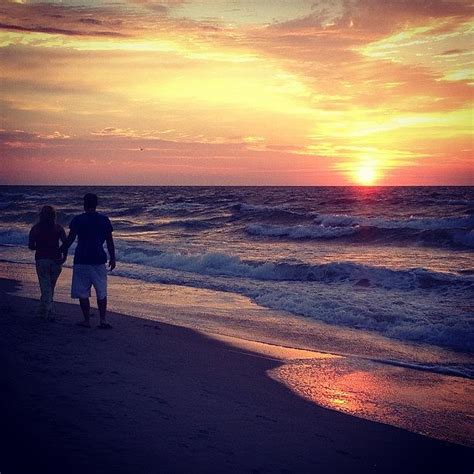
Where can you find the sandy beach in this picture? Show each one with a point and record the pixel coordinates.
(149, 397)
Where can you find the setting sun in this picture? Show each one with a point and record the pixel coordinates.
(366, 174)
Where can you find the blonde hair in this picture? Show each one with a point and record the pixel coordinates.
(47, 215)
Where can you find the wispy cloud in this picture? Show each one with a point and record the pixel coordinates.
(338, 82)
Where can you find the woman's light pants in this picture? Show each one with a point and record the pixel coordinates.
(48, 273)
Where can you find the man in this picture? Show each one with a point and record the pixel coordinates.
(92, 230)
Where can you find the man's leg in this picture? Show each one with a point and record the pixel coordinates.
(80, 288)
(99, 281)
(102, 305)
(86, 309)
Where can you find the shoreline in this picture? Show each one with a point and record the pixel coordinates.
(237, 316)
(316, 366)
(153, 397)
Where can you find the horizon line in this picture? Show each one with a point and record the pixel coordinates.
(245, 185)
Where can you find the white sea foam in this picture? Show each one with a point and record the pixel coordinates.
(416, 223)
(220, 264)
(434, 231)
(397, 304)
(417, 316)
(299, 231)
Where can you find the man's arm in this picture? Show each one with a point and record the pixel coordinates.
(111, 248)
(32, 239)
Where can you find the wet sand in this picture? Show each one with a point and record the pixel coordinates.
(148, 397)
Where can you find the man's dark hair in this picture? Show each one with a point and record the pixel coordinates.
(90, 201)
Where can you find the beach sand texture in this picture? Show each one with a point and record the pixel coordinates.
(149, 397)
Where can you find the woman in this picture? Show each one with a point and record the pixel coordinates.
(44, 238)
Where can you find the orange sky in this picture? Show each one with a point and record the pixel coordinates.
(222, 92)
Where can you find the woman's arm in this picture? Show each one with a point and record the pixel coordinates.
(62, 238)
(62, 235)
(67, 242)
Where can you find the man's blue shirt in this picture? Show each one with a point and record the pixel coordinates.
(92, 229)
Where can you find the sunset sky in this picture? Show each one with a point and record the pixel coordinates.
(222, 92)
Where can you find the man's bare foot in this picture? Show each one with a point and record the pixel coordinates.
(104, 326)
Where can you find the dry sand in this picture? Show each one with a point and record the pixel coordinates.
(148, 397)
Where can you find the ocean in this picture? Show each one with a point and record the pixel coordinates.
(392, 261)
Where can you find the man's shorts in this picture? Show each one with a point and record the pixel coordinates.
(84, 277)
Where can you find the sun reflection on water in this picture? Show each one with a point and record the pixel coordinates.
(424, 402)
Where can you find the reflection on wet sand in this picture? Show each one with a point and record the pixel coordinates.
(436, 405)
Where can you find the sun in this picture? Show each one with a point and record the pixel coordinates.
(366, 174)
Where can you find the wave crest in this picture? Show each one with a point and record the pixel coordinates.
(447, 231)
(220, 264)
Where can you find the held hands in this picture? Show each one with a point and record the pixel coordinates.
(112, 264)
(63, 259)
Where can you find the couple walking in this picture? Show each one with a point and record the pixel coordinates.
(92, 230)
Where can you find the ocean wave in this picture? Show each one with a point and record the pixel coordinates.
(175, 209)
(26, 217)
(415, 223)
(460, 202)
(424, 317)
(12, 196)
(17, 216)
(299, 231)
(267, 211)
(464, 238)
(221, 264)
(412, 305)
(455, 232)
(126, 212)
(191, 224)
(138, 227)
(335, 272)
(13, 237)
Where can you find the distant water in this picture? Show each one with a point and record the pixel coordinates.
(395, 261)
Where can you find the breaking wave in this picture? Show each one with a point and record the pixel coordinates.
(219, 264)
(397, 304)
(455, 231)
